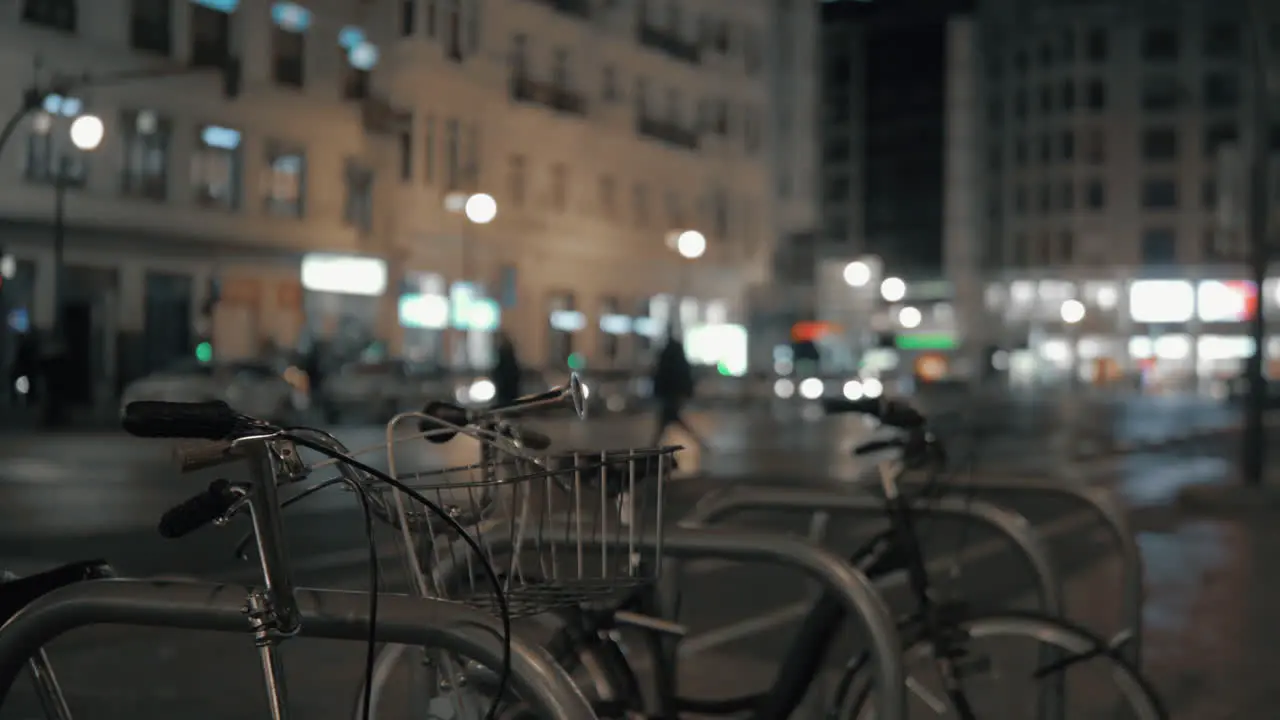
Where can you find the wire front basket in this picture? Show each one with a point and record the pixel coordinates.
(573, 528)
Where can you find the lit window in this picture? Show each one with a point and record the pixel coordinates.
(215, 167)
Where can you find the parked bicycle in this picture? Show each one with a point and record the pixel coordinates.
(40, 607)
(957, 677)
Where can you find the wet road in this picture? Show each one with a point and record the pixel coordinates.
(100, 496)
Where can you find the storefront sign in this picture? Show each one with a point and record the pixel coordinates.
(1226, 301)
(344, 274)
(1161, 301)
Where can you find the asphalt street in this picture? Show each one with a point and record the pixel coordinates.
(99, 495)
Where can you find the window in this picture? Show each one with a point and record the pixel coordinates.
(1046, 149)
(560, 68)
(146, 155)
(516, 174)
(1096, 195)
(1209, 194)
(610, 84)
(751, 134)
(1221, 91)
(1217, 135)
(1020, 152)
(1160, 194)
(1222, 41)
(675, 210)
(453, 31)
(1161, 92)
(1045, 198)
(1020, 62)
(673, 106)
(1095, 149)
(54, 14)
(1066, 246)
(1020, 201)
(1159, 246)
(429, 150)
(210, 36)
(640, 205)
(51, 157)
(430, 13)
(359, 56)
(357, 207)
(1068, 95)
(216, 168)
(559, 187)
(609, 308)
(452, 155)
(1096, 45)
(1096, 95)
(1046, 99)
(1046, 53)
(285, 180)
(1160, 143)
(752, 57)
(408, 17)
(472, 172)
(288, 43)
(1069, 45)
(1067, 196)
(642, 97)
(1160, 44)
(1068, 145)
(519, 55)
(720, 213)
(608, 196)
(1020, 104)
(150, 23)
(404, 149)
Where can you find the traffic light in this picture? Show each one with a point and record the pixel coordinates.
(231, 78)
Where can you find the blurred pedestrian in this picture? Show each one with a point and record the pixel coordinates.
(506, 372)
(673, 389)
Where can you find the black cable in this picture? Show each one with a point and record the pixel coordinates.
(375, 587)
(500, 597)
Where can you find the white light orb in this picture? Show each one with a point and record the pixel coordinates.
(784, 388)
(811, 388)
(1072, 311)
(857, 274)
(481, 208)
(691, 244)
(87, 132)
(893, 289)
(853, 390)
(872, 388)
(482, 391)
(909, 317)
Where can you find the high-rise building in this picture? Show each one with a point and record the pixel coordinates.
(600, 128)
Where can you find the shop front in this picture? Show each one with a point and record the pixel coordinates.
(342, 303)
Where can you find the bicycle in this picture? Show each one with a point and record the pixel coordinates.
(39, 607)
(942, 633)
(561, 581)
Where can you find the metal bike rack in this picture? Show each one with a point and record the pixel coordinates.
(855, 590)
(329, 614)
(1104, 506)
(716, 505)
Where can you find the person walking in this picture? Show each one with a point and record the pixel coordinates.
(506, 372)
(673, 389)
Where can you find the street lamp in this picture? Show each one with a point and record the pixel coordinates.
(893, 289)
(1072, 311)
(86, 133)
(857, 274)
(691, 244)
(476, 209)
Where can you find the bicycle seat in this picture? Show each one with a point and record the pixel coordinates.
(17, 594)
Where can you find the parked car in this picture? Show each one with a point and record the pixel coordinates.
(257, 389)
(378, 390)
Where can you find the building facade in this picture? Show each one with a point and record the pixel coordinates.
(358, 130)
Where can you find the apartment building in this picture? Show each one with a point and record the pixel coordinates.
(601, 128)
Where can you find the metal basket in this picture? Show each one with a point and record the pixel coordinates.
(569, 522)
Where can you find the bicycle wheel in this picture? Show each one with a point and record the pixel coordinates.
(401, 688)
(999, 650)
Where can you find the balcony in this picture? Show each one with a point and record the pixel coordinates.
(668, 43)
(549, 95)
(667, 132)
(576, 8)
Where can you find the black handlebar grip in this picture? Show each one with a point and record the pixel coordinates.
(444, 412)
(212, 420)
(197, 512)
(201, 454)
(532, 439)
(875, 446)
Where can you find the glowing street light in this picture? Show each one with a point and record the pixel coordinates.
(691, 244)
(910, 317)
(480, 208)
(87, 132)
(1072, 311)
(857, 274)
(893, 289)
